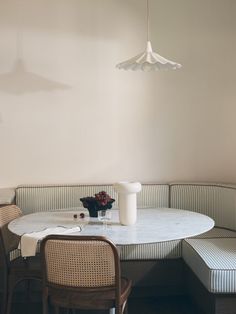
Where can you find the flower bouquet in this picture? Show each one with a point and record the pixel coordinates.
(101, 201)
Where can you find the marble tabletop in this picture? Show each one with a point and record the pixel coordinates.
(153, 225)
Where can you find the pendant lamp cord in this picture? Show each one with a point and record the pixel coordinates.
(147, 20)
(19, 45)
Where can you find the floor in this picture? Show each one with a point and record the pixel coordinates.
(163, 305)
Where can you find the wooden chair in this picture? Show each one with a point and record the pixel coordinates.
(17, 269)
(82, 272)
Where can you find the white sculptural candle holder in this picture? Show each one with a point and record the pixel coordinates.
(127, 199)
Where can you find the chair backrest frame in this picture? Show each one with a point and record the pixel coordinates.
(16, 212)
(117, 284)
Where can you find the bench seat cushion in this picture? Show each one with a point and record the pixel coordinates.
(213, 260)
(217, 233)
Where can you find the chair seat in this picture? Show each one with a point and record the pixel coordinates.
(99, 298)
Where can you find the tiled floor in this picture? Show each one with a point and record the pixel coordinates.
(164, 305)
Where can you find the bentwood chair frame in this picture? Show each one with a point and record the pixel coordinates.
(70, 264)
(18, 269)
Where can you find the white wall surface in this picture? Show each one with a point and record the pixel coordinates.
(67, 115)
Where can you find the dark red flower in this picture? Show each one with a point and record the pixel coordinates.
(101, 201)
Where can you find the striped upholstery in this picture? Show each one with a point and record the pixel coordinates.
(153, 195)
(55, 197)
(148, 251)
(15, 254)
(213, 259)
(217, 233)
(151, 251)
(216, 201)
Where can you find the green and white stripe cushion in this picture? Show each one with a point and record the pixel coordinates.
(216, 201)
(151, 251)
(217, 233)
(36, 198)
(14, 254)
(213, 260)
(153, 195)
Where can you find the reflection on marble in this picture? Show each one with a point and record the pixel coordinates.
(153, 225)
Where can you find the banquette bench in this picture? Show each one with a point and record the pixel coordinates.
(203, 266)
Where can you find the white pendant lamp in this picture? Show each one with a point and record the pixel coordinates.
(148, 60)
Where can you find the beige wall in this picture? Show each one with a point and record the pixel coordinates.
(70, 116)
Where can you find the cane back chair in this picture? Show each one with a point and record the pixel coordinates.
(17, 269)
(82, 272)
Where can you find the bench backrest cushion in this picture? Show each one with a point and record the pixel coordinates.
(36, 198)
(216, 201)
(7, 196)
(153, 196)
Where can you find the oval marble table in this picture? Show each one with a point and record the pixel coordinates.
(153, 225)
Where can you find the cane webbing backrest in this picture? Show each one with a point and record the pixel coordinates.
(79, 263)
(8, 213)
(8, 239)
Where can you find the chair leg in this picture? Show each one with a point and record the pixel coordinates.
(57, 309)
(9, 301)
(28, 299)
(4, 296)
(4, 302)
(124, 309)
(45, 301)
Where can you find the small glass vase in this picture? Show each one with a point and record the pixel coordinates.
(93, 205)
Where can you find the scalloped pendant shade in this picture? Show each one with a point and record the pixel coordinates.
(148, 60)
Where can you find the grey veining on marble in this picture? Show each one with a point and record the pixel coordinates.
(153, 225)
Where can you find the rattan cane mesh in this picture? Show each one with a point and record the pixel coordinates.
(8, 213)
(80, 263)
(10, 241)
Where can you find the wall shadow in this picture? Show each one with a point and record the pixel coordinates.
(21, 81)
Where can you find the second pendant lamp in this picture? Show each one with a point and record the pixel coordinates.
(148, 60)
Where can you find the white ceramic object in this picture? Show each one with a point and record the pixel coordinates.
(148, 60)
(127, 199)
